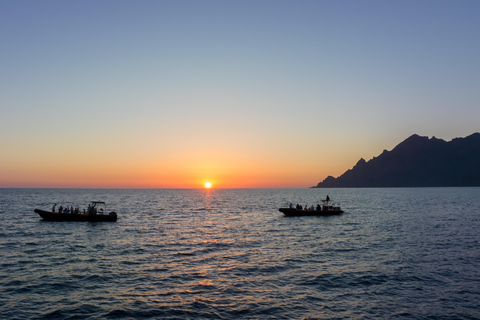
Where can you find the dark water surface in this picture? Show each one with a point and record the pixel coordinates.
(229, 254)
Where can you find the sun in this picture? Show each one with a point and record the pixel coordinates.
(208, 185)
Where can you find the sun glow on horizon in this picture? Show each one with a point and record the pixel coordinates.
(208, 185)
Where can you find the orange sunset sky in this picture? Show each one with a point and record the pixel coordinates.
(244, 94)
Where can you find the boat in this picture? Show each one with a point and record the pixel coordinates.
(326, 209)
(97, 211)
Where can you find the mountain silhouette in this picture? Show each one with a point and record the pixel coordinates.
(417, 162)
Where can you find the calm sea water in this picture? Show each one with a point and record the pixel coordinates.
(230, 254)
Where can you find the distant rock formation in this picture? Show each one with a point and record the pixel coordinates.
(417, 162)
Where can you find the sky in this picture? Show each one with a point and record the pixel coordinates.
(244, 94)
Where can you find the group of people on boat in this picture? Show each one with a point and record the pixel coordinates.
(318, 207)
(306, 207)
(72, 210)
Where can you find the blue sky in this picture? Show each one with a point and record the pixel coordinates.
(246, 86)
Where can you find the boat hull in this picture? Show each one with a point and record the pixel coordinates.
(292, 212)
(55, 216)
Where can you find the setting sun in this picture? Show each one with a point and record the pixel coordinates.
(208, 185)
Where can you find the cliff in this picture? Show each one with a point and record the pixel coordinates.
(417, 162)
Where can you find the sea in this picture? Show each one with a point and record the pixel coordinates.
(396, 253)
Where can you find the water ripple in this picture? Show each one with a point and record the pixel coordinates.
(229, 254)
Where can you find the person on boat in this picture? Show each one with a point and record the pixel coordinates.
(53, 208)
(328, 198)
(60, 209)
(318, 207)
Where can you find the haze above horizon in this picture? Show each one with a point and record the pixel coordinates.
(250, 94)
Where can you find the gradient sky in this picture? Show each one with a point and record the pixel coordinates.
(170, 94)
